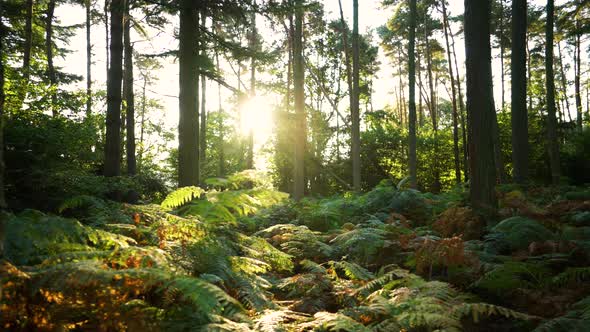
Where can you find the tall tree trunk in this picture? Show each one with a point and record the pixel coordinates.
(3, 204)
(142, 125)
(502, 52)
(529, 74)
(112, 159)
(203, 134)
(49, 53)
(433, 109)
(578, 66)
(420, 106)
(563, 79)
(88, 4)
(299, 79)
(453, 97)
(412, 95)
(253, 32)
(27, 49)
(461, 109)
(519, 119)
(553, 144)
(129, 94)
(106, 33)
(480, 106)
(221, 172)
(355, 112)
(188, 124)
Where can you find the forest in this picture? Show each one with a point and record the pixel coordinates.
(295, 165)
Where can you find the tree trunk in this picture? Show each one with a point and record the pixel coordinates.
(503, 80)
(3, 204)
(253, 32)
(563, 79)
(480, 107)
(553, 144)
(188, 125)
(221, 172)
(461, 109)
(299, 79)
(203, 109)
(88, 4)
(112, 159)
(529, 74)
(412, 95)
(49, 53)
(453, 98)
(519, 119)
(129, 95)
(354, 112)
(578, 66)
(433, 110)
(142, 125)
(27, 49)
(106, 34)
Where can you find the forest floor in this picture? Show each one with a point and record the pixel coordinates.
(245, 258)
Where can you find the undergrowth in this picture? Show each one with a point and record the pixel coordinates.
(240, 256)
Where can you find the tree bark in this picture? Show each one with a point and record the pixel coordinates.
(355, 112)
(3, 204)
(27, 49)
(129, 94)
(221, 171)
(49, 53)
(578, 65)
(412, 95)
(519, 119)
(106, 33)
(253, 32)
(563, 78)
(203, 109)
(503, 80)
(112, 159)
(188, 125)
(552, 143)
(461, 109)
(88, 4)
(480, 107)
(300, 126)
(453, 98)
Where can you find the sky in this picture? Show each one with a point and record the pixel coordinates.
(371, 16)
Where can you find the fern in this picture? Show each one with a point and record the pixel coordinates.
(181, 196)
(327, 321)
(276, 320)
(352, 271)
(80, 201)
(577, 275)
(478, 310)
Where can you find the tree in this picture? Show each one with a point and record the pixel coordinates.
(354, 111)
(412, 93)
(49, 14)
(552, 143)
(298, 86)
(2, 99)
(88, 7)
(480, 106)
(446, 29)
(129, 94)
(188, 125)
(519, 120)
(112, 159)
(203, 114)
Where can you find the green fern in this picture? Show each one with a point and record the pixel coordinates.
(352, 271)
(577, 275)
(181, 196)
(327, 321)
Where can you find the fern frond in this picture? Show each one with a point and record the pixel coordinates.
(79, 201)
(181, 196)
(478, 310)
(274, 320)
(327, 321)
(312, 267)
(572, 275)
(352, 271)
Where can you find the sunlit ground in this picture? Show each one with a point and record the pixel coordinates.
(256, 117)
